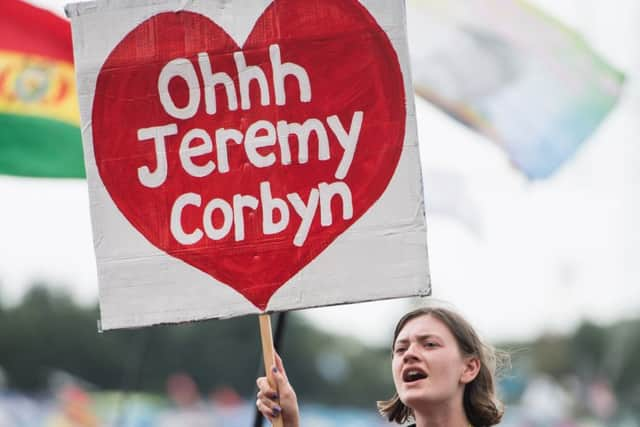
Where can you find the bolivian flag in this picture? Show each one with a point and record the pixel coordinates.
(39, 118)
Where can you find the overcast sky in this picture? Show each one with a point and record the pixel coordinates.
(528, 258)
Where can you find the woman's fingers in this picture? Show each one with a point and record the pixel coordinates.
(265, 388)
(278, 361)
(268, 407)
(267, 399)
(285, 390)
(280, 365)
(268, 414)
(268, 394)
(276, 396)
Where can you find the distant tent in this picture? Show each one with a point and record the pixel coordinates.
(513, 74)
(39, 118)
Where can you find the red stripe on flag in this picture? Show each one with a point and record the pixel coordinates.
(31, 30)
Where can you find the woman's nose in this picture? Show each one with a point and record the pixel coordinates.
(410, 353)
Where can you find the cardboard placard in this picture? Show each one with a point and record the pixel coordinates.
(248, 156)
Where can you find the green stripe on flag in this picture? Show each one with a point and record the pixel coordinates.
(36, 147)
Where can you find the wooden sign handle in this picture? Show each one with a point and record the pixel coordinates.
(266, 338)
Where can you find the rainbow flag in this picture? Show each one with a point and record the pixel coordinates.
(39, 117)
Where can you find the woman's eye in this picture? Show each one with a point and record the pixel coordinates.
(431, 344)
(399, 350)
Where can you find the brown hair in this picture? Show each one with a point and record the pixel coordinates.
(481, 404)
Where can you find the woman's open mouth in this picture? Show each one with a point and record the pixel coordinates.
(412, 375)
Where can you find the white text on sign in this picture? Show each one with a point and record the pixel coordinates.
(265, 144)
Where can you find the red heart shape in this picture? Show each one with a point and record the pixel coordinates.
(351, 66)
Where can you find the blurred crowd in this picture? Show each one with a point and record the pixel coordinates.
(540, 401)
(72, 405)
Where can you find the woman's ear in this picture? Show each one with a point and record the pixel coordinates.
(471, 370)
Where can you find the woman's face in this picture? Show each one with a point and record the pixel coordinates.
(427, 364)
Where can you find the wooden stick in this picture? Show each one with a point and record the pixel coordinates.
(266, 337)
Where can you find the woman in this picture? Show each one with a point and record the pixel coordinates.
(443, 373)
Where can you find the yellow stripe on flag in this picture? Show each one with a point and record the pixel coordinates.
(32, 85)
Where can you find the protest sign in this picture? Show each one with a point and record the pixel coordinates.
(248, 156)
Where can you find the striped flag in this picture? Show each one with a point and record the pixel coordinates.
(39, 118)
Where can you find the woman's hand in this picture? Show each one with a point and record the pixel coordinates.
(279, 399)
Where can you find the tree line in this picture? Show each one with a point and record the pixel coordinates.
(47, 332)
